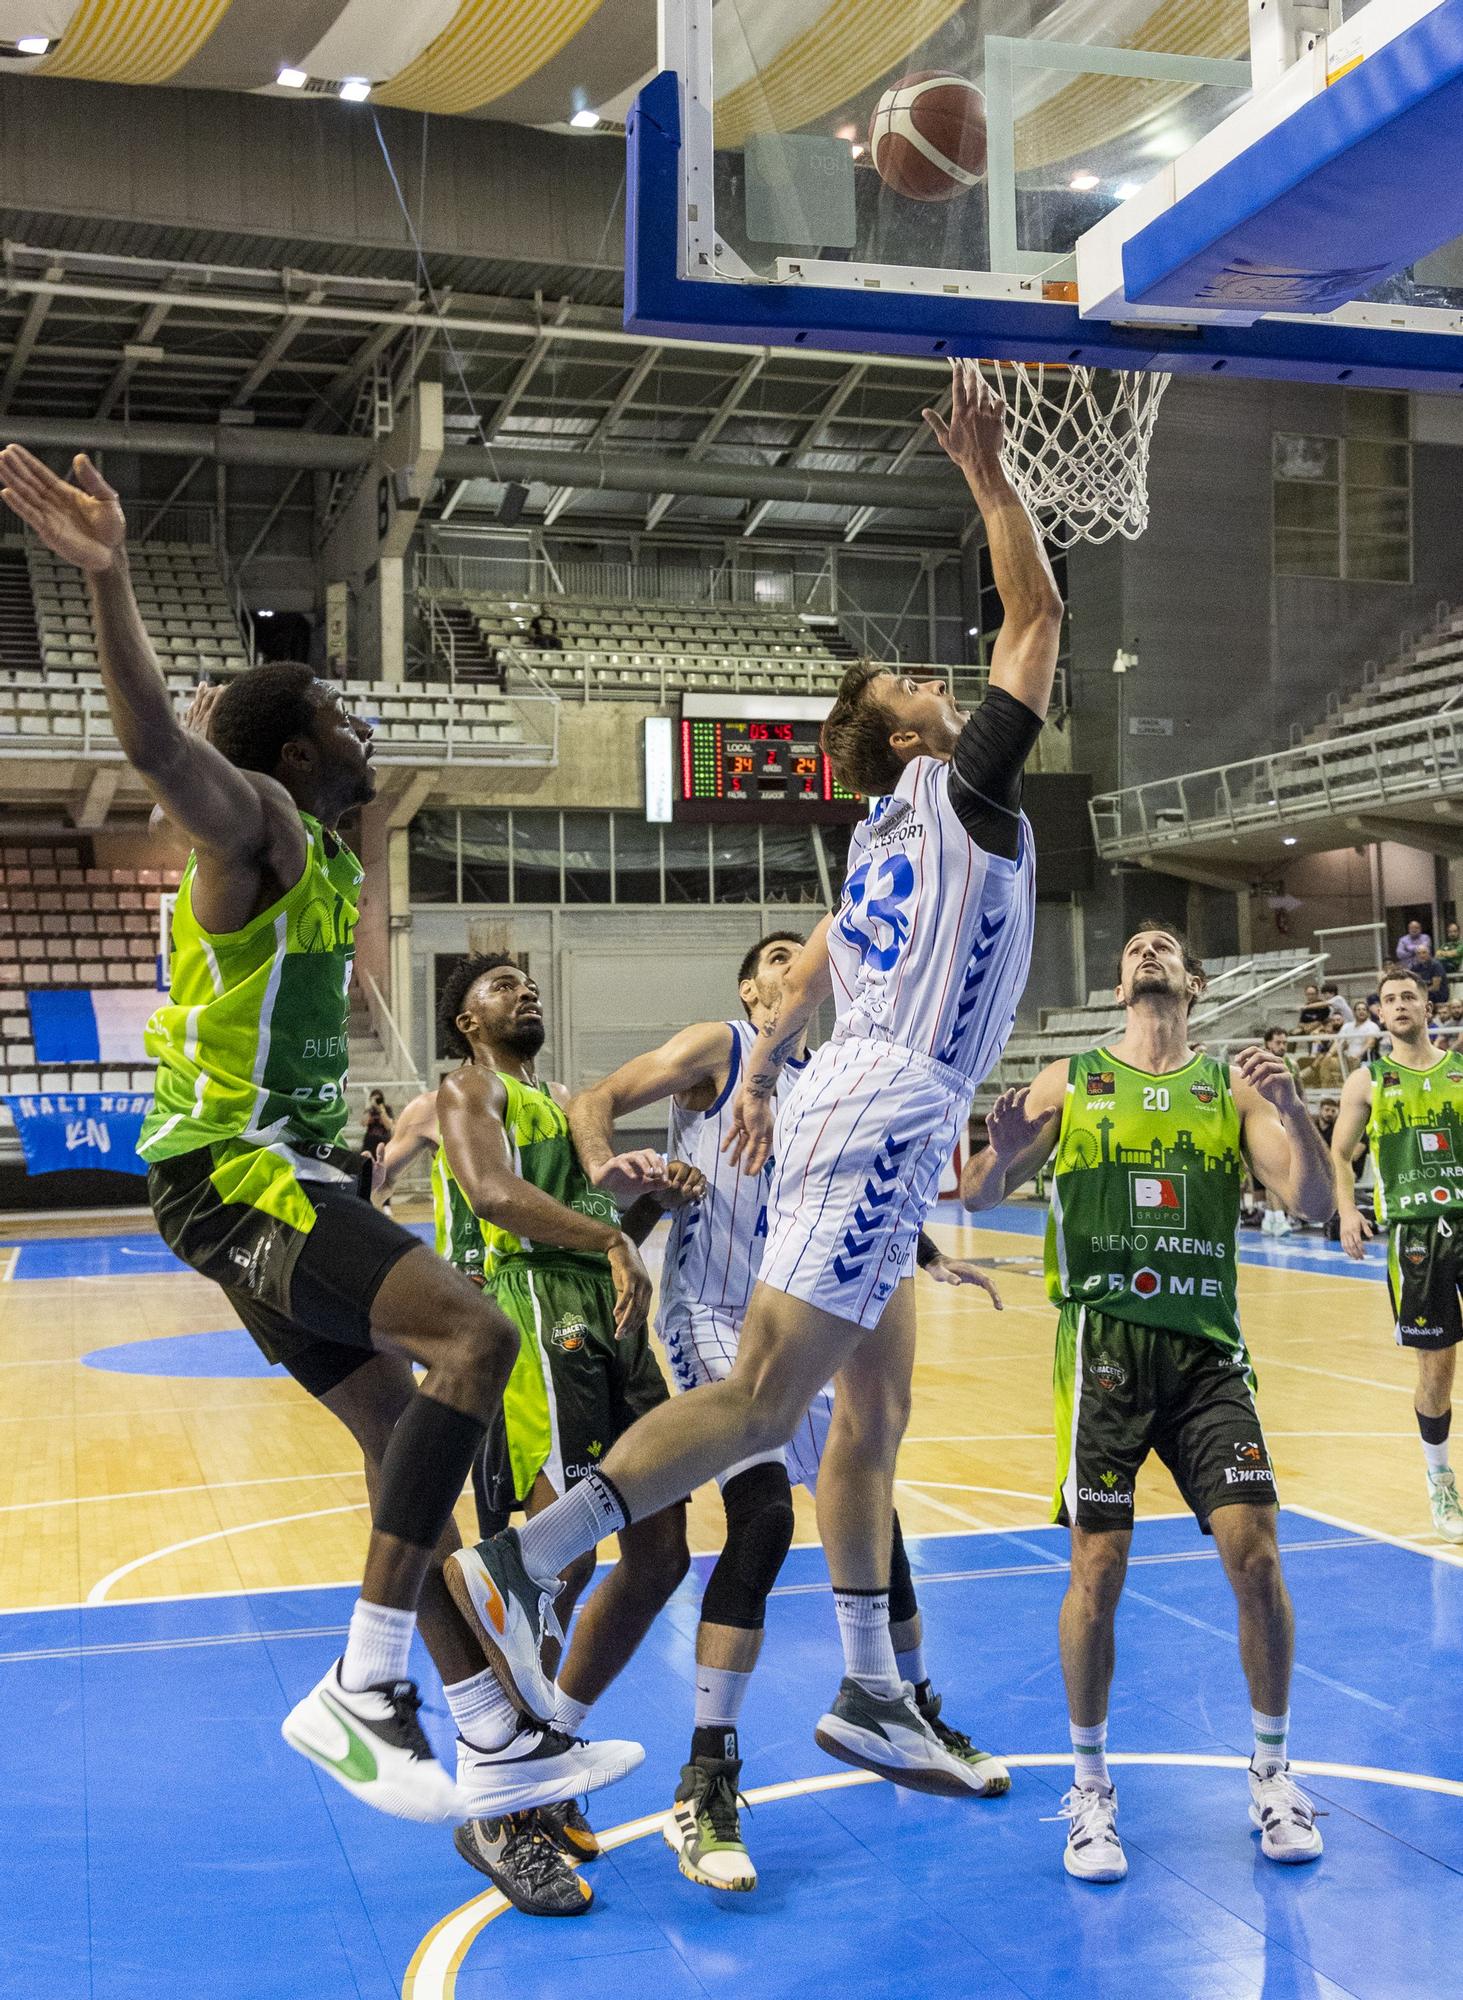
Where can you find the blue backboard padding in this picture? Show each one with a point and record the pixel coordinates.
(63, 1026)
(660, 302)
(1354, 186)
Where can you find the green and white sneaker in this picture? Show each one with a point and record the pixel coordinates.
(704, 1827)
(994, 1780)
(518, 1857)
(887, 1734)
(1442, 1493)
(510, 1614)
(372, 1743)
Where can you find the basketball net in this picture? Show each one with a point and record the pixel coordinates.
(1077, 445)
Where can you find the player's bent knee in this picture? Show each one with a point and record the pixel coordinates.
(759, 1527)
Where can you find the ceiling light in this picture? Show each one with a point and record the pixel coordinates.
(34, 45)
(1082, 183)
(1288, 840)
(263, 614)
(354, 90)
(584, 120)
(292, 79)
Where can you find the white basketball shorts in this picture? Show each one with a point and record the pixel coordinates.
(860, 1146)
(701, 1345)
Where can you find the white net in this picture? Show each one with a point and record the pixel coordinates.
(1077, 445)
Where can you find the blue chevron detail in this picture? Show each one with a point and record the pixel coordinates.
(846, 1273)
(970, 989)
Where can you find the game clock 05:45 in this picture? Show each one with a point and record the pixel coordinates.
(768, 771)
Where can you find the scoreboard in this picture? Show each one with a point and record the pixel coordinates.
(767, 769)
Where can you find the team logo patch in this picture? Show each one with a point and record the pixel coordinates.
(570, 1335)
(1146, 1282)
(1101, 1083)
(1391, 1080)
(1202, 1092)
(1416, 1255)
(1433, 1144)
(1248, 1454)
(1157, 1200)
(1108, 1374)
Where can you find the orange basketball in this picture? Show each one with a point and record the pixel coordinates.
(927, 136)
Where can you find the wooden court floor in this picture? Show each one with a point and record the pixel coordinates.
(130, 1481)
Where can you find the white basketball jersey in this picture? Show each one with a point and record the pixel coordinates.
(715, 1245)
(931, 944)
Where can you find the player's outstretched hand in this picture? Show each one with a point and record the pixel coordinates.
(748, 1144)
(632, 1287)
(627, 1176)
(84, 524)
(959, 1271)
(1356, 1232)
(684, 1185)
(1268, 1077)
(975, 430)
(1009, 1127)
(200, 708)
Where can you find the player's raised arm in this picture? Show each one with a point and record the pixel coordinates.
(805, 985)
(1021, 1130)
(691, 1059)
(1286, 1152)
(217, 807)
(415, 1133)
(1351, 1120)
(1024, 662)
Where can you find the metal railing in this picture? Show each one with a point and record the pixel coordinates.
(1366, 944)
(1312, 781)
(388, 1033)
(534, 575)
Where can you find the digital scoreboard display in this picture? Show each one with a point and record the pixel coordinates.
(768, 771)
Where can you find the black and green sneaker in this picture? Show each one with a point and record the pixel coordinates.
(704, 1826)
(569, 1830)
(518, 1857)
(994, 1780)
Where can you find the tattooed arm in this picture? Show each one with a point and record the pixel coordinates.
(805, 985)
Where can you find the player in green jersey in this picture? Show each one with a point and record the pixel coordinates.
(1147, 1141)
(552, 1250)
(1410, 1105)
(251, 1187)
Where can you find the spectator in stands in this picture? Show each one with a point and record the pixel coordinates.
(1277, 1043)
(1358, 1040)
(1411, 942)
(1432, 975)
(543, 632)
(1325, 1122)
(1320, 1066)
(1314, 1010)
(1450, 952)
(1326, 1115)
(379, 1127)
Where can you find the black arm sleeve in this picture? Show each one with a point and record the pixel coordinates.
(985, 771)
(926, 1250)
(640, 1218)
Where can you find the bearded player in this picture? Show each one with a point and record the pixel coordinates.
(1148, 1142)
(707, 1275)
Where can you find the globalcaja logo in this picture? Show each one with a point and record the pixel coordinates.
(1433, 1145)
(1157, 1201)
(1203, 1092)
(1109, 1480)
(1101, 1083)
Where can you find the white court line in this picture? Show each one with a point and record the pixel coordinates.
(969, 1520)
(432, 1974)
(8, 1261)
(953, 1486)
(1417, 1548)
(167, 1492)
(996, 1437)
(98, 1592)
(1331, 1375)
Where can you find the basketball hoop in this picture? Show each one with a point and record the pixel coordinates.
(1077, 445)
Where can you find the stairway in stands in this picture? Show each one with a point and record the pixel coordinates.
(20, 644)
(471, 658)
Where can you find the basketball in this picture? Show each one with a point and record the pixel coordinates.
(927, 136)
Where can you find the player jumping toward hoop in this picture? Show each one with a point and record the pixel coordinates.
(1148, 1140)
(929, 952)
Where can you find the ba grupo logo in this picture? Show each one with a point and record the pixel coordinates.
(1433, 1145)
(1157, 1200)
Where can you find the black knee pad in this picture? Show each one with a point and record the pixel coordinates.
(903, 1604)
(758, 1505)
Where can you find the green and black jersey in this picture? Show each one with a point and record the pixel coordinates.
(251, 1041)
(1415, 1131)
(1145, 1203)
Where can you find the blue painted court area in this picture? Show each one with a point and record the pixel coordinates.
(161, 1838)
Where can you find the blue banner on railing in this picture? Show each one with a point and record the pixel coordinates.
(65, 1130)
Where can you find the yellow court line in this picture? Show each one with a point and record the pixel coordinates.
(432, 1973)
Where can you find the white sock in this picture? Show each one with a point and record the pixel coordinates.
(378, 1648)
(868, 1651)
(720, 1692)
(911, 1665)
(1270, 1734)
(1089, 1753)
(570, 1527)
(484, 1715)
(568, 1713)
(1436, 1456)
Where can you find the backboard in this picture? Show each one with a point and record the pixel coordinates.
(1121, 136)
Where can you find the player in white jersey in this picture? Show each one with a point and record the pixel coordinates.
(932, 943)
(706, 1280)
